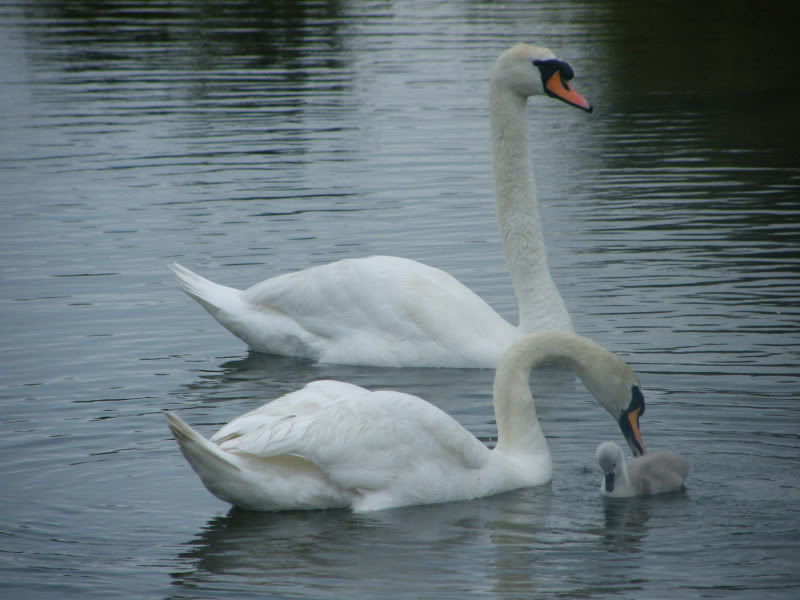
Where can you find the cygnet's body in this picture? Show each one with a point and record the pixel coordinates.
(645, 475)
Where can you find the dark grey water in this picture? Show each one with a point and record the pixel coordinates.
(246, 139)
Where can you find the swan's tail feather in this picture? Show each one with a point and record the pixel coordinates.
(212, 296)
(206, 458)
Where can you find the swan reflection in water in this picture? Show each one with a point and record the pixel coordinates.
(518, 543)
(487, 543)
(624, 525)
(271, 375)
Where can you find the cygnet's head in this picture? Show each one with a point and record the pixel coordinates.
(611, 460)
(529, 70)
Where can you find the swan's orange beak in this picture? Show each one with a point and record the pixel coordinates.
(557, 87)
(633, 434)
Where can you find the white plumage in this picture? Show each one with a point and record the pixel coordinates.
(388, 311)
(334, 444)
(380, 311)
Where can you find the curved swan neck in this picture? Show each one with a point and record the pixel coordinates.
(518, 426)
(518, 212)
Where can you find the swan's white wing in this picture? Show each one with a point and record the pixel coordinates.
(385, 310)
(362, 440)
(309, 400)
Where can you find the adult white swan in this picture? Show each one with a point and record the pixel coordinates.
(334, 444)
(388, 311)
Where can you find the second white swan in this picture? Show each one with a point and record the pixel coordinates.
(395, 312)
(334, 444)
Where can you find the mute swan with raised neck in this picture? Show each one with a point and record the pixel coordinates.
(337, 445)
(656, 473)
(395, 312)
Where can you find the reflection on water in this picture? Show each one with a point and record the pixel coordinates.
(308, 553)
(625, 524)
(253, 138)
(501, 546)
(708, 61)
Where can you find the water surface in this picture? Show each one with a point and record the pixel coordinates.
(247, 139)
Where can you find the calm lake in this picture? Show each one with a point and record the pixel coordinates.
(245, 139)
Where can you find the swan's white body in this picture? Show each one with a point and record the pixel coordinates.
(647, 475)
(387, 311)
(333, 444)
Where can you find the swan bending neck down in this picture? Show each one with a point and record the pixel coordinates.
(395, 312)
(656, 473)
(333, 444)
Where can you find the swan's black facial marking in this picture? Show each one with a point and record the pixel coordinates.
(629, 421)
(548, 67)
(555, 75)
(637, 400)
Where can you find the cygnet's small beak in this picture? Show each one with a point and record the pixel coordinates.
(557, 87)
(609, 482)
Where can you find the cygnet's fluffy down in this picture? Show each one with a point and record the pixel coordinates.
(656, 473)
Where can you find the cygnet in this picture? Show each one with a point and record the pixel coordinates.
(645, 475)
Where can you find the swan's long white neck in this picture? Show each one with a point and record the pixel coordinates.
(518, 428)
(540, 304)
